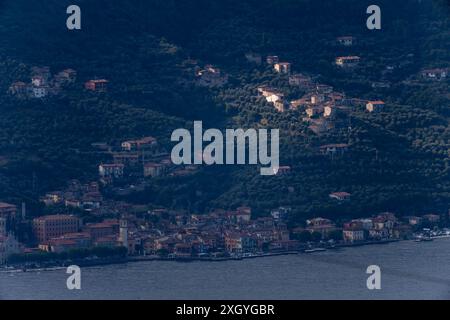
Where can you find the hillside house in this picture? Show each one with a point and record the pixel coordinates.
(334, 149)
(346, 41)
(272, 60)
(340, 196)
(283, 67)
(18, 88)
(153, 169)
(211, 77)
(100, 85)
(348, 61)
(111, 170)
(66, 76)
(434, 74)
(300, 80)
(139, 144)
(314, 111)
(375, 106)
(253, 58)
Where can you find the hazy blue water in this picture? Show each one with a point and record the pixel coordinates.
(409, 271)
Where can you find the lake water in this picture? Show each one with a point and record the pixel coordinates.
(409, 270)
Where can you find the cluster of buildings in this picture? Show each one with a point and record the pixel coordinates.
(385, 226)
(210, 76)
(135, 159)
(346, 41)
(321, 104)
(86, 197)
(8, 243)
(179, 234)
(62, 233)
(96, 85)
(320, 100)
(42, 83)
(138, 155)
(347, 61)
(437, 74)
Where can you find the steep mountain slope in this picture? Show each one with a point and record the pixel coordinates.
(399, 159)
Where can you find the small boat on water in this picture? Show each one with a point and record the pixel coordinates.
(424, 239)
(314, 250)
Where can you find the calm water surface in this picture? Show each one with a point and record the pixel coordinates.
(409, 271)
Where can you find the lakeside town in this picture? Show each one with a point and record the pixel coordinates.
(129, 231)
(168, 234)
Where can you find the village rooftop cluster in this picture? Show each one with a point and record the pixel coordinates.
(44, 84)
(146, 231)
(172, 234)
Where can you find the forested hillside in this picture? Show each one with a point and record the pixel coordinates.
(398, 159)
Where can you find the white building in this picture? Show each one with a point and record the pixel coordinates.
(346, 41)
(2, 226)
(282, 213)
(38, 81)
(348, 61)
(111, 170)
(329, 111)
(353, 235)
(375, 106)
(39, 92)
(8, 246)
(435, 74)
(282, 67)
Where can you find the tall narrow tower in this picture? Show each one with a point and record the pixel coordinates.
(3, 227)
(123, 236)
(24, 211)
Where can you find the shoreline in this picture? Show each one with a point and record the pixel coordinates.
(135, 259)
